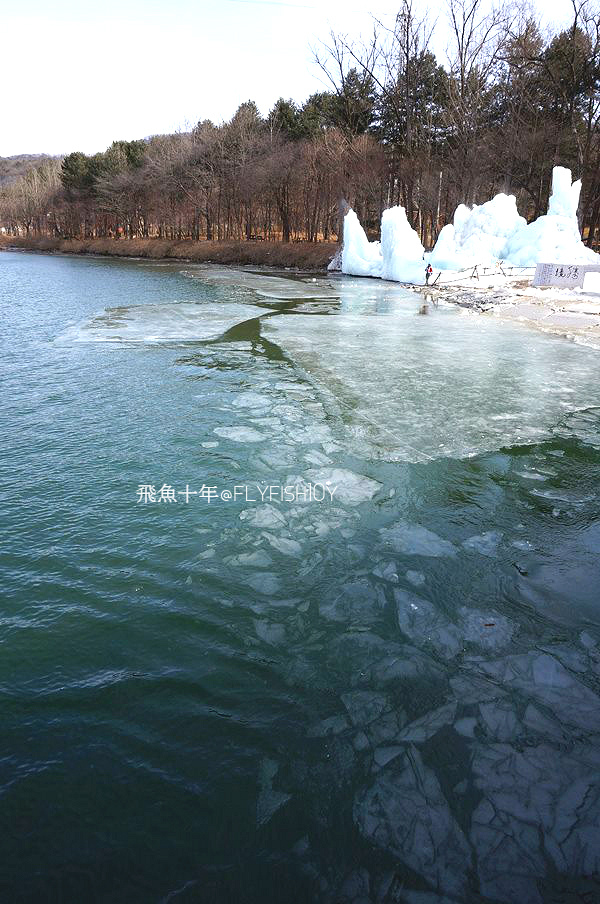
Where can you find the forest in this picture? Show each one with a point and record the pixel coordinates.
(395, 125)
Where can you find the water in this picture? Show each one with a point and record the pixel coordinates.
(388, 696)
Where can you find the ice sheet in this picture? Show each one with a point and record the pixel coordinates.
(415, 388)
(278, 288)
(149, 323)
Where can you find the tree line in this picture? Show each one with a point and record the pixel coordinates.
(395, 126)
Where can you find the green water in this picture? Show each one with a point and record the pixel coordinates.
(387, 696)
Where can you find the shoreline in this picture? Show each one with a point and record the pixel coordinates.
(570, 313)
(282, 255)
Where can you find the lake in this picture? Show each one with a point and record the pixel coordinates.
(300, 588)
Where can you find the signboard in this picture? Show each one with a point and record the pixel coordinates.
(569, 276)
(566, 275)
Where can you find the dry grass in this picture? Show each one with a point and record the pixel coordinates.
(301, 255)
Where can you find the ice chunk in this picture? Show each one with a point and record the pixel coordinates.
(240, 434)
(251, 400)
(347, 487)
(407, 663)
(359, 602)
(285, 545)
(364, 706)
(386, 571)
(269, 800)
(499, 720)
(360, 742)
(360, 257)
(271, 632)
(428, 725)
(540, 723)
(422, 622)
(489, 630)
(574, 660)
(386, 728)
(257, 559)
(414, 540)
(264, 582)
(416, 578)
(330, 726)
(466, 727)
(384, 755)
(404, 812)
(587, 640)
(471, 689)
(263, 516)
(485, 544)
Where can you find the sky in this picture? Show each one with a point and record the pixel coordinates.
(80, 74)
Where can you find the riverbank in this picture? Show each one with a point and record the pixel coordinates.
(573, 313)
(297, 255)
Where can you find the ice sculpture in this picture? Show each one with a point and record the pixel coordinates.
(401, 248)
(360, 257)
(554, 237)
(478, 234)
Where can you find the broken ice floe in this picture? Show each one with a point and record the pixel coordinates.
(428, 725)
(489, 630)
(543, 677)
(405, 812)
(359, 602)
(364, 707)
(538, 803)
